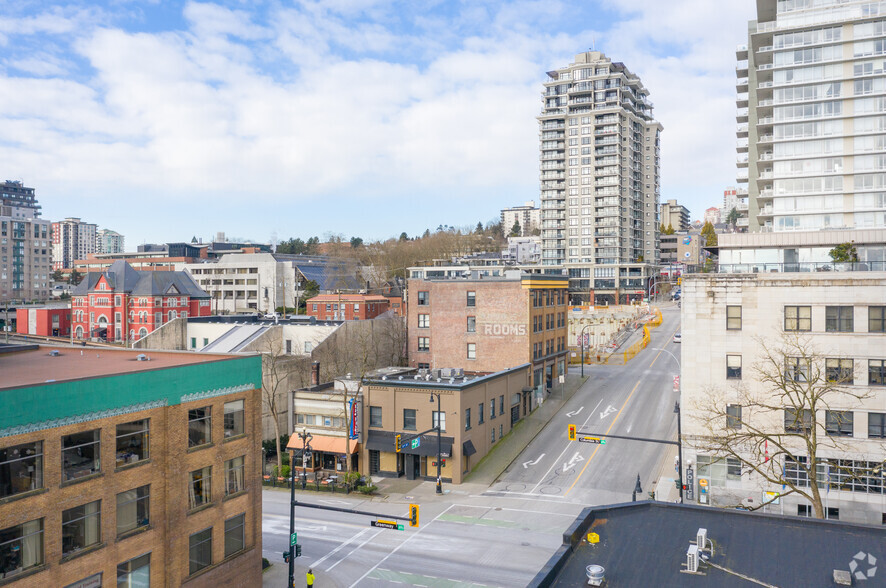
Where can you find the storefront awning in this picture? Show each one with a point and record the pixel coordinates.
(326, 444)
(384, 441)
(467, 448)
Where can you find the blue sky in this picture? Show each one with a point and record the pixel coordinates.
(167, 120)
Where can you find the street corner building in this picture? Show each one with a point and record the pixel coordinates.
(483, 323)
(474, 412)
(119, 468)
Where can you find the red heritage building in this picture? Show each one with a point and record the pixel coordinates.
(46, 321)
(123, 304)
(347, 307)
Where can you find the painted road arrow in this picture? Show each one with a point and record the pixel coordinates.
(526, 464)
(609, 410)
(575, 412)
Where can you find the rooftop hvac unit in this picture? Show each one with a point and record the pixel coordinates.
(596, 575)
(692, 559)
(141, 357)
(54, 353)
(701, 539)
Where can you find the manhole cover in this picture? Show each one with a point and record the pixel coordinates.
(525, 544)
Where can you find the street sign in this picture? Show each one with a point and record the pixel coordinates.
(676, 383)
(690, 486)
(592, 440)
(293, 539)
(771, 497)
(416, 442)
(386, 525)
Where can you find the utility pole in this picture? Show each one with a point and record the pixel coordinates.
(439, 444)
(679, 451)
(305, 438)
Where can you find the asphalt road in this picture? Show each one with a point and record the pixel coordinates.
(633, 400)
(503, 534)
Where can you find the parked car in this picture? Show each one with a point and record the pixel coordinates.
(677, 338)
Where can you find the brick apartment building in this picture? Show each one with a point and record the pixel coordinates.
(128, 472)
(487, 324)
(124, 304)
(477, 411)
(347, 307)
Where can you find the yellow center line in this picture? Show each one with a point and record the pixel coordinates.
(596, 449)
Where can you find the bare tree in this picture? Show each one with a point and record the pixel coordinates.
(279, 374)
(787, 425)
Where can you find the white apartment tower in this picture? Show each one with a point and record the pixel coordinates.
(599, 180)
(108, 241)
(72, 239)
(812, 115)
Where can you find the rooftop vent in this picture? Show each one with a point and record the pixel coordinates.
(142, 357)
(596, 575)
(384, 377)
(54, 353)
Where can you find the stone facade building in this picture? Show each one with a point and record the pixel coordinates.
(128, 471)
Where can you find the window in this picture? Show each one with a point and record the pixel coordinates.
(472, 324)
(797, 420)
(424, 321)
(289, 346)
(876, 372)
(81, 454)
(733, 318)
(374, 416)
(233, 419)
(408, 419)
(199, 426)
(493, 434)
(424, 299)
(877, 319)
(797, 318)
(235, 475)
(193, 342)
(133, 509)
(439, 419)
(472, 298)
(467, 419)
(501, 404)
(718, 470)
(472, 351)
(132, 442)
(733, 416)
(135, 573)
(423, 366)
(21, 548)
(21, 469)
(838, 319)
(839, 370)
(235, 537)
(839, 423)
(200, 487)
(81, 527)
(200, 550)
(733, 367)
(492, 408)
(308, 346)
(480, 419)
(424, 343)
(796, 369)
(877, 425)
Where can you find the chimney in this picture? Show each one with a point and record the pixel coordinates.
(315, 373)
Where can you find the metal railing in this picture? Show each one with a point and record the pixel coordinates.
(799, 267)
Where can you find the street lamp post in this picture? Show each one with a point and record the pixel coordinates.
(305, 438)
(679, 428)
(582, 337)
(638, 489)
(439, 444)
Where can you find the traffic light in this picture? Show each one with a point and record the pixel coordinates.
(413, 515)
(286, 556)
(297, 550)
(571, 432)
(397, 443)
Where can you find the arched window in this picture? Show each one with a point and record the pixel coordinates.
(79, 333)
(172, 315)
(142, 332)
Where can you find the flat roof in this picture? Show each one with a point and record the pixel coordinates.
(432, 381)
(36, 366)
(645, 543)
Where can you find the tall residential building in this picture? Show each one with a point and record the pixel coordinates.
(25, 251)
(675, 215)
(599, 150)
(72, 239)
(108, 241)
(735, 199)
(528, 216)
(812, 130)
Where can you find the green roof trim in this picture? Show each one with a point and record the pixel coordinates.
(55, 404)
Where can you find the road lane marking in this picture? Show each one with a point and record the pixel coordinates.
(339, 548)
(596, 449)
(492, 509)
(526, 464)
(565, 449)
(353, 550)
(575, 412)
(609, 410)
(396, 549)
(671, 338)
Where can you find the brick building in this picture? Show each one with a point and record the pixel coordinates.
(486, 324)
(45, 321)
(129, 473)
(477, 411)
(123, 304)
(347, 307)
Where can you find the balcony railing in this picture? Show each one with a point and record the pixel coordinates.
(766, 268)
